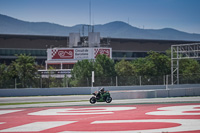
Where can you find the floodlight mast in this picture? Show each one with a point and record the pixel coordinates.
(89, 26)
(90, 13)
(182, 51)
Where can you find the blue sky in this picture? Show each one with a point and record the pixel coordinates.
(183, 15)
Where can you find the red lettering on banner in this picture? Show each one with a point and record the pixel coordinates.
(101, 51)
(63, 54)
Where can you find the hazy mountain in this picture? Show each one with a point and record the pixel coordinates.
(117, 29)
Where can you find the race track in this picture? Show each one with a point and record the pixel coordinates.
(108, 118)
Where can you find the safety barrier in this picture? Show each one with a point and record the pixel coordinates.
(148, 91)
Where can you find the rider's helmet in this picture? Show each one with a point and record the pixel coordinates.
(102, 89)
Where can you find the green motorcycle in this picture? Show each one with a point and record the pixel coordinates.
(101, 96)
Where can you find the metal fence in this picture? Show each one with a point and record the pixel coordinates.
(52, 81)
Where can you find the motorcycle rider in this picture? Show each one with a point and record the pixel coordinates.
(101, 96)
(100, 92)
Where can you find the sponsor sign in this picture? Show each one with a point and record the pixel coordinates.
(82, 53)
(62, 54)
(77, 53)
(55, 72)
(99, 51)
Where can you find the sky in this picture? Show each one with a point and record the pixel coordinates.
(183, 15)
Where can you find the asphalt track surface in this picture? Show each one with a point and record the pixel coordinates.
(44, 98)
(155, 115)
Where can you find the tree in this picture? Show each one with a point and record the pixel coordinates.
(189, 66)
(104, 66)
(2, 73)
(152, 68)
(189, 70)
(124, 68)
(125, 73)
(160, 63)
(82, 69)
(25, 69)
(81, 73)
(143, 66)
(5, 80)
(155, 64)
(104, 69)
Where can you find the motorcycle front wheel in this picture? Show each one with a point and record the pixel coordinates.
(108, 99)
(93, 100)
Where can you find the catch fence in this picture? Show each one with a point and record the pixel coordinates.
(52, 81)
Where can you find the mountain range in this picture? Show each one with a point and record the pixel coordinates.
(116, 29)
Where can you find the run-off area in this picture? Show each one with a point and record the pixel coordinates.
(144, 118)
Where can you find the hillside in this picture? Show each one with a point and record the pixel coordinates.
(116, 29)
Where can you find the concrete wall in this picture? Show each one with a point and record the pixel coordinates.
(135, 94)
(178, 92)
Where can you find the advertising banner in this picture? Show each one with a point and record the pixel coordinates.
(62, 54)
(77, 53)
(83, 53)
(105, 51)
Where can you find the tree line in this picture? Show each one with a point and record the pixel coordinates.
(23, 69)
(156, 64)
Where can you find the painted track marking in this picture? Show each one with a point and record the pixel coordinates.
(115, 119)
(2, 112)
(37, 126)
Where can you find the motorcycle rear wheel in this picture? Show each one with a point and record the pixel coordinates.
(93, 100)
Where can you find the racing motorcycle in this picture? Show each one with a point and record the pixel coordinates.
(101, 96)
